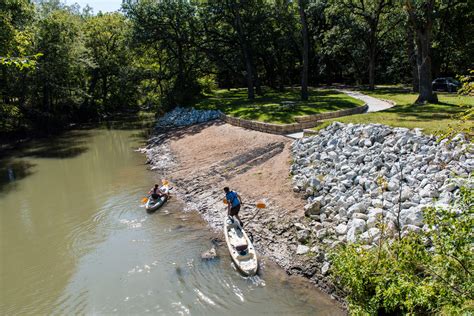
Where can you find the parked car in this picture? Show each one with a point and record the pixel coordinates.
(446, 84)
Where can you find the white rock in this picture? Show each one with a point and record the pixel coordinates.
(356, 227)
(360, 207)
(325, 268)
(341, 229)
(303, 235)
(393, 185)
(372, 235)
(302, 249)
(407, 194)
(411, 216)
(360, 216)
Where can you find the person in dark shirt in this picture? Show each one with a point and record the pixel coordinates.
(233, 204)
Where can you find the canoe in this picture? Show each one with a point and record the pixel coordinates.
(240, 247)
(152, 205)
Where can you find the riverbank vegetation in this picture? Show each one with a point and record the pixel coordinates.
(424, 272)
(61, 64)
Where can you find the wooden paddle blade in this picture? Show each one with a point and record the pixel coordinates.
(144, 200)
(261, 204)
(165, 182)
(225, 201)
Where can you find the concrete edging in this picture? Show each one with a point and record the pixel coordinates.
(302, 122)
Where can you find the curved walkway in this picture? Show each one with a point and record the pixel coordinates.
(374, 105)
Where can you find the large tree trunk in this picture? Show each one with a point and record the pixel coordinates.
(91, 92)
(304, 32)
(423, 30)
(246, 53)
(249, 72)
(372, 68)
(423, 42)
(372, 48)
(105, 91)
(412, 56)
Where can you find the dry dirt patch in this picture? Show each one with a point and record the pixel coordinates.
(253, 163)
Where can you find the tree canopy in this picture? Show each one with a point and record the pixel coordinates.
(59, 64)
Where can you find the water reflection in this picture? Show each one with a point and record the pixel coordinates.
(68, 145)
(13, 171)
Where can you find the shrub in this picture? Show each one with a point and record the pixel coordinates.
(419, 273)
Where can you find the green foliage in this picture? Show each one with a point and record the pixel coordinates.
(467, 84)
(169, 28)
(426, 272)
(22, 63)
(208, 84)
(59, 64)
(276, 107)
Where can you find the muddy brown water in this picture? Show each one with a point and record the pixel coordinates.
(74, 240)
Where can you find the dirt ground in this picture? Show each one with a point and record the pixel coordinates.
(254, 164)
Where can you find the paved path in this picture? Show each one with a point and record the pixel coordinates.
(295, 135)
(374, 104)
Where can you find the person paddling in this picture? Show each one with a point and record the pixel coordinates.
(233, 204)
(155, 192)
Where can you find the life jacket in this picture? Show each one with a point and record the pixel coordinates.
(232, 198)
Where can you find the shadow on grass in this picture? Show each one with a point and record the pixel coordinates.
(446, 109)
(275, 106)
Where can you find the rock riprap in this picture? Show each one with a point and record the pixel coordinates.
(355, 176)
(181, 116)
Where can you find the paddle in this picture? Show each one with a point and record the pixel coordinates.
(260, 205)
(165, 183)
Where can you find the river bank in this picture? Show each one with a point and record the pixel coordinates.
(201, 159)
(342, 183)
(98, 252)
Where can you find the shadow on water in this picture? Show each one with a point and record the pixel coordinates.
(130, 122)
(13, 168)
(11, 172)
(69, 145)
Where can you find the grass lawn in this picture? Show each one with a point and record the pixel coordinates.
(432, 118)
(276, 107)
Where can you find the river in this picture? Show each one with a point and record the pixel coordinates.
(74, 240)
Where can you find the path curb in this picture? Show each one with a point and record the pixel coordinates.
(302, 122)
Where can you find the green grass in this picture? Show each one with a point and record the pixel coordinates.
(271, 107)
(432, 118)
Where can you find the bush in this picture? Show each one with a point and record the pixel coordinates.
(421, 273)
(208, 84)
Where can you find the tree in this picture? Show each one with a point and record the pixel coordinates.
(375, 23)
(170, 26)
(421, 15)
(61, 68)
(106, 40)
(305, 50)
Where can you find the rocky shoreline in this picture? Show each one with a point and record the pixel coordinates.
(350, 176)
(355, 176)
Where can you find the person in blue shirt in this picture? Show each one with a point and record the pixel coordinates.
(233, 204)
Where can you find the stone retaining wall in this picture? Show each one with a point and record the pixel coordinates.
(302, 122)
